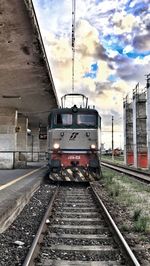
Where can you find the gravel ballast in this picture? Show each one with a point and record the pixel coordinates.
(25, 226)
(17, 239)
(123, 197)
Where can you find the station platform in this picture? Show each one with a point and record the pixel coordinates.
(16, 188)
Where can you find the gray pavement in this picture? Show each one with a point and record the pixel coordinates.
(14, 196)
(9, 175)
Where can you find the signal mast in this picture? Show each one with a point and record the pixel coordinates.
(73, 40)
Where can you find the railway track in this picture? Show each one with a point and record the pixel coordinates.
(78, 230)
(139, 175)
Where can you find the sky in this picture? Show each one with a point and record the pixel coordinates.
(112, 52)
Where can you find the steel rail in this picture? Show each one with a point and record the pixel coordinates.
(132, 168)
(38, 238)
(118, 236)
(144, 177)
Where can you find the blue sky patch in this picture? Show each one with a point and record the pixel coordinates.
(137, 8)
(110, 42)
(97, 2)
(93, 72)
(135, 54)
(112, 78)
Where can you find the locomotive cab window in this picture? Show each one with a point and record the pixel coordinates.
(63, 119)
(86, 119)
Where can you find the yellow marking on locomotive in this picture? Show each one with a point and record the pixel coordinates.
(75, 174)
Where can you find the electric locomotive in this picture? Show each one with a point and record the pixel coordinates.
(74, 142)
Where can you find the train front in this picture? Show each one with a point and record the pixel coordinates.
(74, 144)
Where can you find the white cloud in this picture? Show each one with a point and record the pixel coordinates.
(104, 71)
(142, 42)
(112, 53)
(127, 49)
(87, 47)
(93, 23)
(143, 61)
(123, 23)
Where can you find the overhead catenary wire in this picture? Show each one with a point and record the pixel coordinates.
(73, 40)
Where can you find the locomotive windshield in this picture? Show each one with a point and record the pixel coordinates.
(86, 119)
(72, 118)
(63, 119)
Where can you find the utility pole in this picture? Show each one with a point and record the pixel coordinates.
(32, 147)
(148, 119)
(73, 40)
(112, 138)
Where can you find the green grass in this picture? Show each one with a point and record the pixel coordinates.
(115, 191)
(136, 214)
(125, 228)
(116, 158)
(131, 194)
(141, 225)
(129, 200)
(140, 222)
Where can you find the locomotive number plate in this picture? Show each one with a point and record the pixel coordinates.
(74, 157)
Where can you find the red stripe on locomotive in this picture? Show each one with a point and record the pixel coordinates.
(67, 158)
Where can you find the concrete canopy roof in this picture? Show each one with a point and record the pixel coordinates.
(25, 79)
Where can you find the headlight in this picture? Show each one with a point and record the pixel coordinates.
(93, 146)
(56, 146)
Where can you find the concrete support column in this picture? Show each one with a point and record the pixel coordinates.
(22, 126)
(43, 149)
(30, 147)
(34, 144)
(124, 131)
(21, 145)
(135, 151)
(148, 123)
(8, 124)
(139, 129)
(43, 143)
(128, 133)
